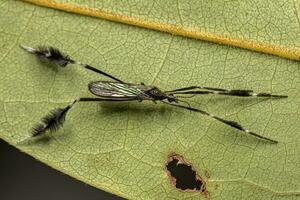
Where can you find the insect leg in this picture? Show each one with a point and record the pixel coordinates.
(240, 93)
(86, 66)
(55, 56)
(220, 91)
(52, 121)
(197, 87)
(56, 117)
(227, 122)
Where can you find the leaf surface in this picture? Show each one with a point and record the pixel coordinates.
(123, 147)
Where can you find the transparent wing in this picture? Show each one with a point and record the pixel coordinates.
(113, 90)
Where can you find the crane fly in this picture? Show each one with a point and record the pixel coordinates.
(118, 90)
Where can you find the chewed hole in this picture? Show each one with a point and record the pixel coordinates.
(183, 176)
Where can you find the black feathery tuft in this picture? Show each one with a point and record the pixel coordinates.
(53, 55)
(52, 121)
(55, 119)
(38, 129)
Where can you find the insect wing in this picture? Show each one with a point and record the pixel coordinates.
(114, 90)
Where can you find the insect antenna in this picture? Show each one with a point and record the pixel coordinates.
(227, 122)
(53, 55)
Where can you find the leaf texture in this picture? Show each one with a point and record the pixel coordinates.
(123, 147)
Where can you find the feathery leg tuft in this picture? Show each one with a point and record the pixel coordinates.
(51, 54)
(52, 121)
(54, 55)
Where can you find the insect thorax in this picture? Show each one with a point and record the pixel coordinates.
(157, 94)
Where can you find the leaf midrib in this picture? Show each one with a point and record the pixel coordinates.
(188, 32)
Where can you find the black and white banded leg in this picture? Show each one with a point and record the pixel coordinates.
(219, 91)
(196, 87)
(227, 122)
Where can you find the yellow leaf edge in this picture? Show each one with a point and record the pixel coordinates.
(266, 48)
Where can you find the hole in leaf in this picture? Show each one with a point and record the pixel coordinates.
(183, 176)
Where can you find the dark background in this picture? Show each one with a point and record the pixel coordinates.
(23, 177)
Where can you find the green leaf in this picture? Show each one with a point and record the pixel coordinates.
(123, 147)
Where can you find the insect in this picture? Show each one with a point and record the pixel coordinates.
(117, 91)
